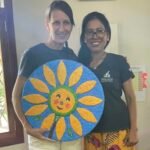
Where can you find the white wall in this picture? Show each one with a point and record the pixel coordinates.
(133, 19)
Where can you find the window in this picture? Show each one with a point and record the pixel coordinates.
(10, 128)
(2, 3)
(3, 107)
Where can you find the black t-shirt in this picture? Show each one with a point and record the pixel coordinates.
(39, 55)
(112, 73)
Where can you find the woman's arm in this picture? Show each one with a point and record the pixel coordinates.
(16, 98)
(131, 102)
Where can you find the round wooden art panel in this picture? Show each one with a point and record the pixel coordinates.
(65, 97)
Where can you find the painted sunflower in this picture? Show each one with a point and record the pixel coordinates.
(64, 97)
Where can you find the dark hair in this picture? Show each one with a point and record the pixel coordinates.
(60, 5)
(84, 52)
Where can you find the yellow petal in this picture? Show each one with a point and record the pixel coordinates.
(76, 125)
(49, 75)
(60, 128)
(48, 121)
(36, 110)
(35, 98)
(39, 85)
(90, 100)
(61, 73)
(86, 114)
(85, 87)
(75, 76)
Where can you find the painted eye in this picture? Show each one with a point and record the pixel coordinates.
(58, 95)
(68, 99)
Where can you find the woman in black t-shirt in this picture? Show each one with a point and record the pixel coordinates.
(117, 129)
(59, 24)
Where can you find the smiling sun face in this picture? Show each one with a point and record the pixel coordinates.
(61, 99)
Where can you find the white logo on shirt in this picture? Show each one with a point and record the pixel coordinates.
(107, 77)
(107, 74)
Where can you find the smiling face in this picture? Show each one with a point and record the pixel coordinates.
(96, 36)
(62, 101)
(59, 27)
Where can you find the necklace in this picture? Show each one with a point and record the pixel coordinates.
(97, 61)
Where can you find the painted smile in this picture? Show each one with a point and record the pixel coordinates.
(59, 108)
